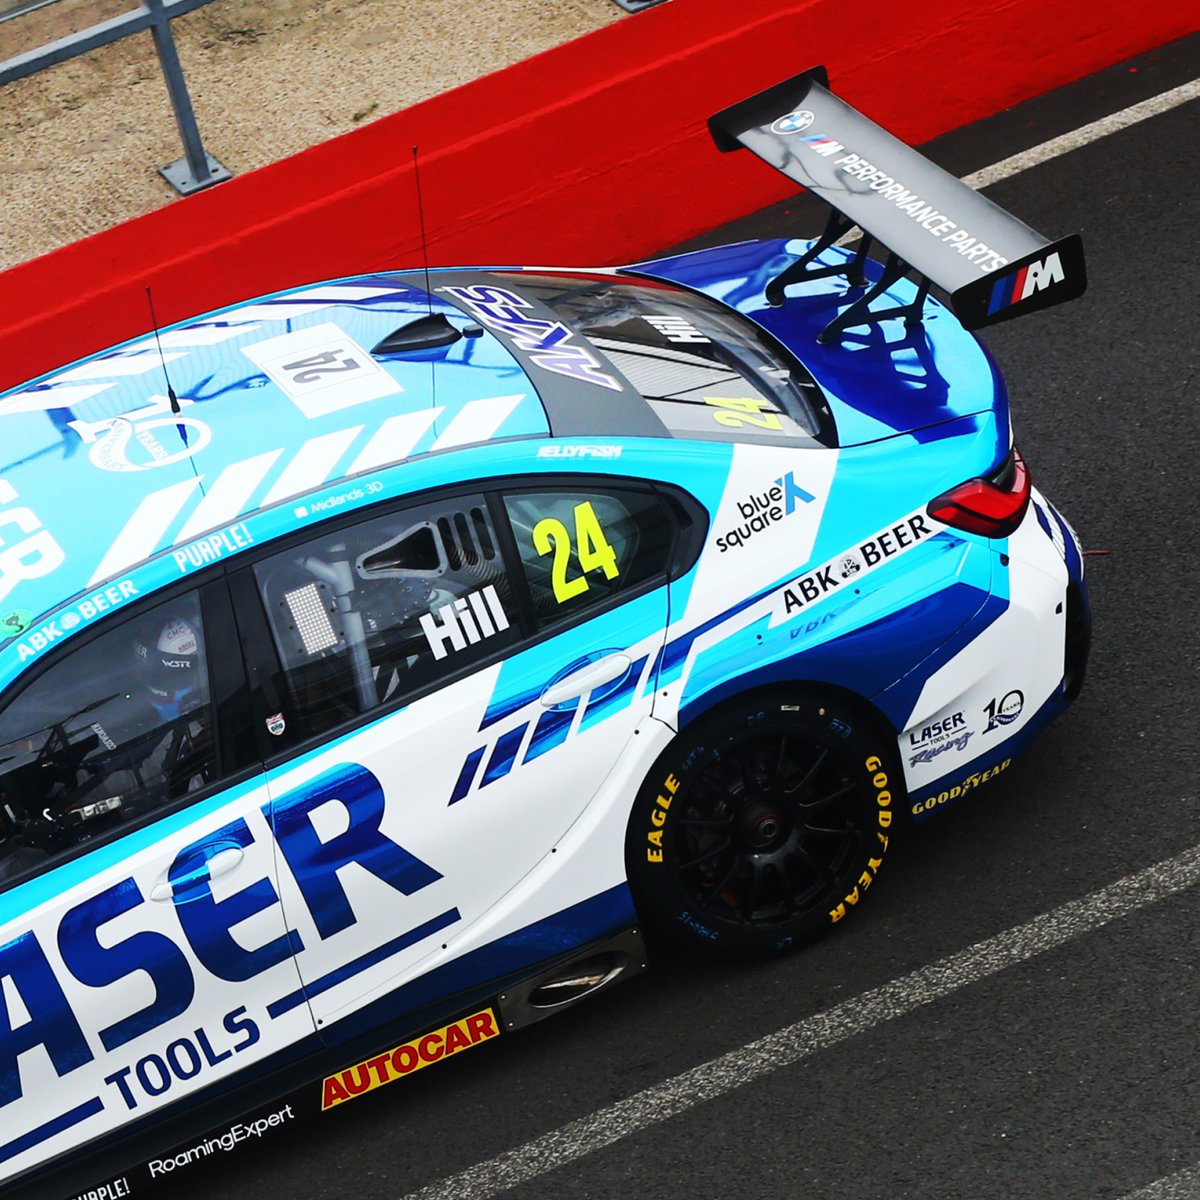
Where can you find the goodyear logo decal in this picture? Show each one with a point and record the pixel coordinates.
(411, 1056)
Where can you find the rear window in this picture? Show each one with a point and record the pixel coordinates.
(707, 372)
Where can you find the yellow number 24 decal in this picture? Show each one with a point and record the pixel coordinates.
(736, 413)
(550, 536)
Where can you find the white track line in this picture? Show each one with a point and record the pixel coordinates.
(1085, 134)
(1183, 1185)
(797, 1042)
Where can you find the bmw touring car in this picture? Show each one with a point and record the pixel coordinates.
(380, 658)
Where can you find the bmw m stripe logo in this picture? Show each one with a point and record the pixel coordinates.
(1022, 284)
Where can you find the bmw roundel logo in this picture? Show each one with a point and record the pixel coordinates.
(794, 122)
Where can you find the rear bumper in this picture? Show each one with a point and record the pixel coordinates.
(1020, 672)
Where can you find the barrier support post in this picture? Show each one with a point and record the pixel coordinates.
(197, 169)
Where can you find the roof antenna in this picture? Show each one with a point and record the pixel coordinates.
(433, 329)
(162, 358)
(421, 220)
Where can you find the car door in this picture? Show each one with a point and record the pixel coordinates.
(142, 943)
(460, 676)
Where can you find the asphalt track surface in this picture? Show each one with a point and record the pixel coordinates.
(1057, 1059)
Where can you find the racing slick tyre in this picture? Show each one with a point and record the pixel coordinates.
(763, 824)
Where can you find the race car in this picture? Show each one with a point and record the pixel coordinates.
(379, 659)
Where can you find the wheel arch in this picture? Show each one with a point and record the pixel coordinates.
(739, 690)
(850, 716)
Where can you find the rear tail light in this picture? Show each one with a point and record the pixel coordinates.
(992, 506)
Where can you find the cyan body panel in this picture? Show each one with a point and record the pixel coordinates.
(859, 629)
(275, 398)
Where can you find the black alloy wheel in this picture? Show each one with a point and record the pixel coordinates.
(763, 824)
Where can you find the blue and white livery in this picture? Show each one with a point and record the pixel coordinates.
(378, 659)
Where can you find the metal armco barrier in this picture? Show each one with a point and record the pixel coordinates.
(197, 169)
(18, 8)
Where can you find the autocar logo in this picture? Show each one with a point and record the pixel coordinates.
(793, 122)
(386, 1068)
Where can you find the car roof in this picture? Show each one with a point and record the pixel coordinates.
(158, 443)
(275, 398)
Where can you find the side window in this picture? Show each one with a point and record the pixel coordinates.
(580, 549)
(368, 614)
(118, 728)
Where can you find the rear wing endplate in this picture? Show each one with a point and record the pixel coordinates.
(992, 265)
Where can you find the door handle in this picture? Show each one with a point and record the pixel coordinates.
(190, 884)
(596, 674)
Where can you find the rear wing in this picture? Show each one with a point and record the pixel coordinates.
(993, 266)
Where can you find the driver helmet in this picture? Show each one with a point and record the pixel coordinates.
(170, 667)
